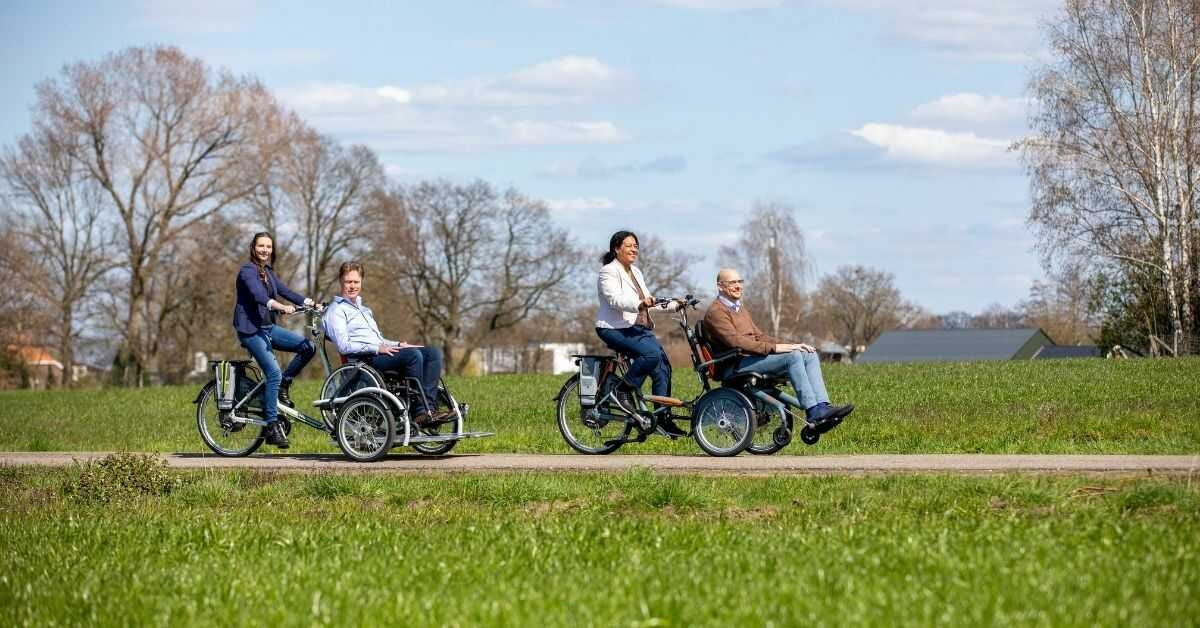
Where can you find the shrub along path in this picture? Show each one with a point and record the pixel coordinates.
(744, 464)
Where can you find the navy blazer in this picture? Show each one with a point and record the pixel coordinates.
(251, 312)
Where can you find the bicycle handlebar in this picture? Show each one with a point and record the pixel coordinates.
(687, 300)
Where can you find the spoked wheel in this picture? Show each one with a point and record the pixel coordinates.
(355, 376)
(365, 429)
(767, 421)
(723, 422)
(584, 430)
(444, 400)
(223, 436)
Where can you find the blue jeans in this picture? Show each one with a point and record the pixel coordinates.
(422, 363)
(646, 354)
(803, 370)
(260, 345)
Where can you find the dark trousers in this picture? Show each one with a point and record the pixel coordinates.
(422, 363)
(646, 354)
(260, 346)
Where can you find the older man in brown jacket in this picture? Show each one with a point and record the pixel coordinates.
(730, 326)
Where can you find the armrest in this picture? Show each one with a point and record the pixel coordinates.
(732, 353)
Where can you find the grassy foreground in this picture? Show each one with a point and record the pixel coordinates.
(1053, 406)
(633, 549)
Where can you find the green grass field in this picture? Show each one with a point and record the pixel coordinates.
(1055, 406)
(632, 549)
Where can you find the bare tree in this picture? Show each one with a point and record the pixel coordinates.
(168, 140)
(1062, 307)
(861, 303)
(472, 261)
(57, 213)
(667, 271)
(320, 190)
(1116, 154)
(771, 255)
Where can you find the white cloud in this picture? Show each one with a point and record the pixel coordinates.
(592, 168)
(537, 132)
(722, 5)
(447, 116)
(972, 108)
(197, 16)
(937, 147)
(989, 29)
(580, 204)
(569, 73)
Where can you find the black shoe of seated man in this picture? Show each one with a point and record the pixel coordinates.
(820, 414)
(274, 436)
(285, 395)
(841, 412)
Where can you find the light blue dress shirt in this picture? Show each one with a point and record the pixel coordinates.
(352, 327)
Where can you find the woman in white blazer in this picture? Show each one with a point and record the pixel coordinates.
(624, 322)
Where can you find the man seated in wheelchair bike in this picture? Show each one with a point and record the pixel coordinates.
(729, 326)
(351, 326)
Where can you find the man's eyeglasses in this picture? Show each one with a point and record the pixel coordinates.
(734, 282)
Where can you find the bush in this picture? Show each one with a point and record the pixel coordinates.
(121, 476)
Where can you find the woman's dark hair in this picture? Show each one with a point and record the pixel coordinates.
(262, 270)
(614, 243)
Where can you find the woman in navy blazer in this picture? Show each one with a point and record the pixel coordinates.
(258, 298)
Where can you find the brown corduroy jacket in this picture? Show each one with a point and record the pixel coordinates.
(735, 330)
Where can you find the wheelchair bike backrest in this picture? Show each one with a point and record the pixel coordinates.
(702, 353)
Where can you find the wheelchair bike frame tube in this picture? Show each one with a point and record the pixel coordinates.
(297, 415)
(780, 405)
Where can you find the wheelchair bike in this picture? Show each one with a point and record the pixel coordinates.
(364, 411)
(748, 412)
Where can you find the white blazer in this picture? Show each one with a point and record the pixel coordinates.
(619, 298)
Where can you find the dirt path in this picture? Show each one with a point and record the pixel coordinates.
(744, 464)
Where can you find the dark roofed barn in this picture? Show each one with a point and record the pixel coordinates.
(1067, 351)
(956, 345)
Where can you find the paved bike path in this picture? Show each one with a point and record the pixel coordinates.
(744, 464)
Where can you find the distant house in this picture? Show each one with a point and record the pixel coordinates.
(538, 357)
(956, 345)
(39, 366)
(1051, 352)
(830, 351)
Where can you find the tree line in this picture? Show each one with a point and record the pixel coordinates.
(1114, 161)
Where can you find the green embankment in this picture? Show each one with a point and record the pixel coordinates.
(1055, 406)
(245, 548)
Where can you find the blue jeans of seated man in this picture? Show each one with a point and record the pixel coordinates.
(646, 354)
(422, 363)
(260, 345)
(803, 370)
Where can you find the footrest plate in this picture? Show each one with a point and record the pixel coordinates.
(442, 438)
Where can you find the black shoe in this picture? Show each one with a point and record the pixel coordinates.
(274, 435)
(285, 397)
(841, 412)
(821, 414)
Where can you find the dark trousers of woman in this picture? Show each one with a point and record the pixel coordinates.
(646, 354)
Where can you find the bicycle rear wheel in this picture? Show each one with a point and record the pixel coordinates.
(583, 429)
(217, 429)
